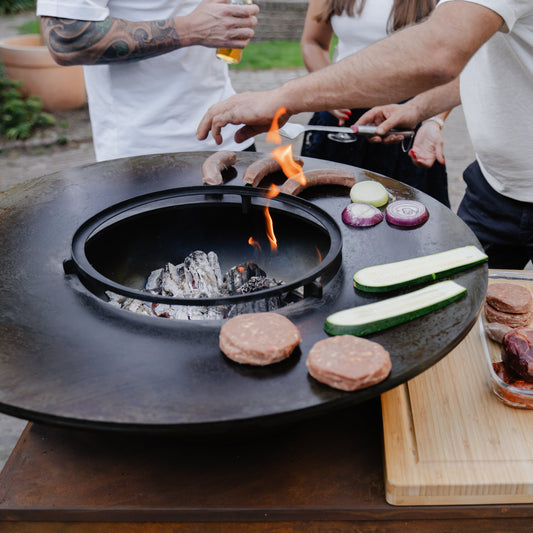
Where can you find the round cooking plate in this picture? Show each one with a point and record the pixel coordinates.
(67, 357)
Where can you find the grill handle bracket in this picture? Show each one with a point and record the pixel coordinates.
(313, 289)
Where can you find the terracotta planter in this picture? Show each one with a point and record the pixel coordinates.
(25, 58)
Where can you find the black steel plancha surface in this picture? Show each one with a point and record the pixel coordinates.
(69, 358)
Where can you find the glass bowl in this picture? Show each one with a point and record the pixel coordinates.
(510, 395)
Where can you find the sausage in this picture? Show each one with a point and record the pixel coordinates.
(254, 174)
(318, 177)
(215, 164)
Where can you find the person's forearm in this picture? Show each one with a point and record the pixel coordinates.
(213, 24)
(74, 42)
(316, 38)
(314, 56)
(437, 102)
(395, 69)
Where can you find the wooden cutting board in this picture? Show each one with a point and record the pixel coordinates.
(449, 440)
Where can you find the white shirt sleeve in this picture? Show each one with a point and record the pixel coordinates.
(81, 10)
(509, 10)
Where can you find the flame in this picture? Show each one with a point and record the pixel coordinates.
(273, 191)
(273, 135)
(291, 169)
(319, 255)
(254, 243)
(270, 230)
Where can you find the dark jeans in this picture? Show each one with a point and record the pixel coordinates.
(503, 226)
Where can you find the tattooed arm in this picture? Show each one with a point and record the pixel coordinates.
(213, 24)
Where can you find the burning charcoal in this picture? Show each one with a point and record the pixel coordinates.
(256, 306)
(171, 281)
(153, 283)
(238, 275)
(115, 299)
(257, 283)
(204, 281)
(170, 311)
(136, 306)
(200, 276)
(212, 257)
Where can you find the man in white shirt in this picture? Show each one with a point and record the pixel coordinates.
(150, 67)
(493, 39)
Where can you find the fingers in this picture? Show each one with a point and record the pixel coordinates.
(246, 132)
(206, 126)
(246, 11)
(440, 154)
(219, 24)
(372, 117)
(422, 159)
(342, 115)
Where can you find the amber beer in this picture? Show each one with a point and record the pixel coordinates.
(232, 55)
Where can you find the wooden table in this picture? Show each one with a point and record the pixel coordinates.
(323, 475)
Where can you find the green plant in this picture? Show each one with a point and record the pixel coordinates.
(9, 7)
(20, 117)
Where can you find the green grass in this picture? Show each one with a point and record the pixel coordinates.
(271, 54)
(265, 55)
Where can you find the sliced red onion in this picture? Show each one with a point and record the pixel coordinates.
(406, 213)
(361, 215)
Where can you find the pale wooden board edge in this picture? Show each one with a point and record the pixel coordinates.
(450, 485)
(410, 482)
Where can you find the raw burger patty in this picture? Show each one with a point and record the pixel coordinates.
(514, 320)
(509, 298)
(259, 338)
(348, 363)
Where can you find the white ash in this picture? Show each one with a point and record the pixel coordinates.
(200, 276)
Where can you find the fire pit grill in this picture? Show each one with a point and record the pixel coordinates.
(68, 357)
(127, 240)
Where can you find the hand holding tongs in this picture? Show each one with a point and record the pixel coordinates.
(291, 130)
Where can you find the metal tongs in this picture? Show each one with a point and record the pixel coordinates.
(291, 130)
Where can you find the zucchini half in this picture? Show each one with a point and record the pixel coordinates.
(391, 276)
(392, 311)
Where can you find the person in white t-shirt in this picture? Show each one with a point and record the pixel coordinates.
(358, 24)
(150, 67)
(496, 91)
(492, 40)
